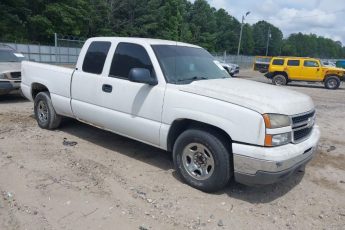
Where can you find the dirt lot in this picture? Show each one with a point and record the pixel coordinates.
(110, 182)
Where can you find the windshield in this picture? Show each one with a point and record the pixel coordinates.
(11, 56)
(182, 65)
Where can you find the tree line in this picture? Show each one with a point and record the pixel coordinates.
(180, 20)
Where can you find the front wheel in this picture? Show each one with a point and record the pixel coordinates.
(332, 82)
(45, 113)
(202, 160)
(279, 80)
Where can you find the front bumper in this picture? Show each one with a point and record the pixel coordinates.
(268, 75)
(7, 86)
(235, 71)
(255, 165)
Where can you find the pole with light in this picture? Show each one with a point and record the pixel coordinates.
(239, 42)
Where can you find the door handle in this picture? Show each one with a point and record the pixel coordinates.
(107, 88)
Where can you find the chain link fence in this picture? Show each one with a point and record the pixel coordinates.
(65, 50)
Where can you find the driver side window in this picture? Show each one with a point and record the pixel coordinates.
(128, 56)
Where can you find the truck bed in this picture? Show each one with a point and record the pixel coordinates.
(56, 78)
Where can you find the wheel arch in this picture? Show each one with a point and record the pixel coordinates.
(331, 75)
(36, 88)
(181, 125)
(281, 73)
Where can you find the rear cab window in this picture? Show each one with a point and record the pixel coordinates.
(278, 61)
(128, 56)
(293, 62)
(95, 57)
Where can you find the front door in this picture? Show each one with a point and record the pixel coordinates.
(136, 108)
(311, 70)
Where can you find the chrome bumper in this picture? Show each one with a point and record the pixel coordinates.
(262, 165)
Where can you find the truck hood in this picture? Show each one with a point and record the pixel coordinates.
(6, 67)
(256, 96)
(333, 68)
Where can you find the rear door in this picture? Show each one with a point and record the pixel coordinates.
(87, 82)
(311, 70)
(293, 69)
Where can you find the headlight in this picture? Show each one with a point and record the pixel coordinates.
(277, 139)
(273, 121)
(2, 75)
(281, 139)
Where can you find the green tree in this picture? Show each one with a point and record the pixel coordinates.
(13, 20)
(261, 34)
(247, 46)
(203, 24)
(227, 32)
(312, 46)
(182, 20)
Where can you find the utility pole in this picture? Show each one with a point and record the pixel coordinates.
(268, 39)
(239, 42)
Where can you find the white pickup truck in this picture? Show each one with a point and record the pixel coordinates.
(174, 96)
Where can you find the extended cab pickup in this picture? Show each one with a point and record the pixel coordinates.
(283, 70)
(174, 96)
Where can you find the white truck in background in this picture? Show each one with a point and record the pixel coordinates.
(10, 75)
(174, 96)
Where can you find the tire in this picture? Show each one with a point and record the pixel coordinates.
(279, 79)
(332, 82)
(202, 160)
(45, 114)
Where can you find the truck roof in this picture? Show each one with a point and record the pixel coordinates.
(149, 41)
(292, 57)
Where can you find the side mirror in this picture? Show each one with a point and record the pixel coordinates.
(141, 75)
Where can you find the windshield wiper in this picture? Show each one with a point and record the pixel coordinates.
(195, 78)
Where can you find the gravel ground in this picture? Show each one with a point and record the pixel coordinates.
(100, 180)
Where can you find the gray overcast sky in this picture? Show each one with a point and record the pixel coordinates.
(321, 17)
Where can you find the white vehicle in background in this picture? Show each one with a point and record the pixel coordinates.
(231, 68)
(10, 75)
(174, 96)
(328, 63)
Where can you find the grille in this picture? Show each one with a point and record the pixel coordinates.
(16, 74)
(302, 126)
(301, 134)
(302, 118)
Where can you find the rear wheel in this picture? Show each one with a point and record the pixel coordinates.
(45, 113)
(279, 79)
(202, 160)
(332, 82)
